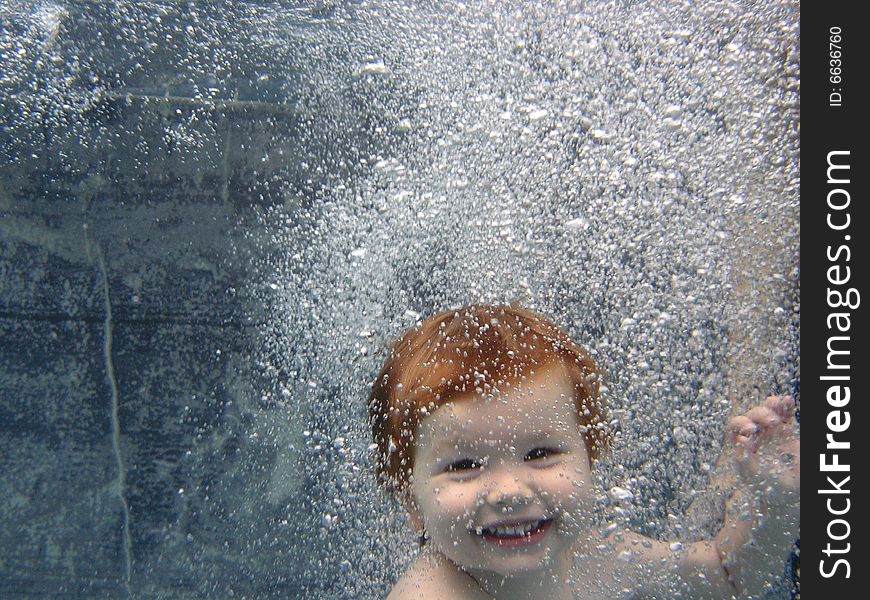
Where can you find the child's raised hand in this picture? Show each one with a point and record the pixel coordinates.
(767, 448)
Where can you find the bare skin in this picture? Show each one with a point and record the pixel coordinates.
(463, 483)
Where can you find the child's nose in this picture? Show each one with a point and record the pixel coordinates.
(507, 490)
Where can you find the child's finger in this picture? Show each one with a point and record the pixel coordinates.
(742, 425)
(746, 446)
(784, 406)
(741, 429)
(764, 416)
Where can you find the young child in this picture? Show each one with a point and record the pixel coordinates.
(489, 423)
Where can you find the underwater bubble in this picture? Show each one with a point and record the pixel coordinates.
(618, 494)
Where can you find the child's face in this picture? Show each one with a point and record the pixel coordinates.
(502, 482)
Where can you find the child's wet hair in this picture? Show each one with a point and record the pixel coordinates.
(475, 349)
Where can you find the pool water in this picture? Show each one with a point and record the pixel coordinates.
(215, 217)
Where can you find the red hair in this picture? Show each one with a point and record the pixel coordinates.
(465, 351)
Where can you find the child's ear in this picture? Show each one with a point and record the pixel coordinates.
(415, 517)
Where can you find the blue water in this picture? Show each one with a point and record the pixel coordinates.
(215, 217)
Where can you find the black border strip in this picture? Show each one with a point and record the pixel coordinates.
(833, 120)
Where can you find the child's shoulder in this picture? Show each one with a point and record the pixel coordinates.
(433, 577)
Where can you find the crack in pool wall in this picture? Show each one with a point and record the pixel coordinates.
(116, 423)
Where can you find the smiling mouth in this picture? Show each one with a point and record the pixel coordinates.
(514, 534)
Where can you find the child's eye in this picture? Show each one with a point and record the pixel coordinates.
(541, 453)
(466, 464)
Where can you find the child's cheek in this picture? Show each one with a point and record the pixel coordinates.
(576, 500)
(453, 501)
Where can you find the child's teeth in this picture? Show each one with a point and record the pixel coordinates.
(513, 531)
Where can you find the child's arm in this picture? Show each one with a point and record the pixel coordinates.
(762, 519)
